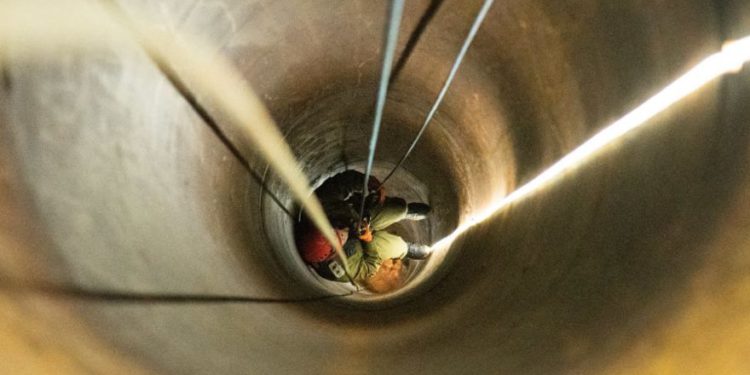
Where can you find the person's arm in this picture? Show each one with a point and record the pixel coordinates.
(364, 263)
(371, 260)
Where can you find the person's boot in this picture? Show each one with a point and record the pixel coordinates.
(417, 211)
(418, 251)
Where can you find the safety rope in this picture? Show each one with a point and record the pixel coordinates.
(465, 47)
(411, 44)
(389, 50)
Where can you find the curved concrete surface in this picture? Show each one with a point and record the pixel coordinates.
(636, 262)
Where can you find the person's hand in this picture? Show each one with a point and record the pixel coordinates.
(365, 233)
(366, 236)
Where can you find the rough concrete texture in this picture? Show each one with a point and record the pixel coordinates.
(636, 262)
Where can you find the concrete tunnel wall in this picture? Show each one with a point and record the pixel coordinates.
(636, 262)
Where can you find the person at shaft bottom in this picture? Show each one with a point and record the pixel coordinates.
(366, 242)
(372, 229)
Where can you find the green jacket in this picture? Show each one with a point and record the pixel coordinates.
(365, 260)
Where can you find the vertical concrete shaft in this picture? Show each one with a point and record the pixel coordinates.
(636, 262)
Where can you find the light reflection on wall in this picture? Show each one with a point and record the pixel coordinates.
(730, 59)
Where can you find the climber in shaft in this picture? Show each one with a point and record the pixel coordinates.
(365, 240)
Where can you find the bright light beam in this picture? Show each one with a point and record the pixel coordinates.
(38, 29)
(733, 56)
